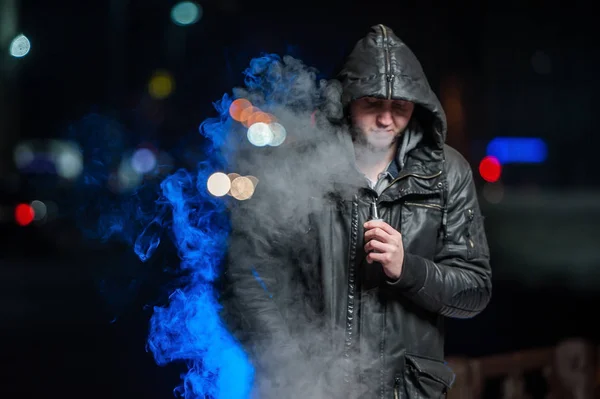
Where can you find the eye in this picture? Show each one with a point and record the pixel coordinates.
(371, 103)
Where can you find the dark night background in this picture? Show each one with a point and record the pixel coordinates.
(74, 311)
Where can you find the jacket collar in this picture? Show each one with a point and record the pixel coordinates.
(421, 174)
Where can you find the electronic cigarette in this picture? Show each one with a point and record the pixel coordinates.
(374, 212)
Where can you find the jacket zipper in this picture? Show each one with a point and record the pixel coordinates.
(388, 73)
(348, 340)
(352, 292)
(471, 217)
(396, 388)
(432, 206)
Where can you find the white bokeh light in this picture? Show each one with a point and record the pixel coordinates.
(260, 134)
(20, 46)
(279, 134)
(39, 209)
(68, 161)
(218, 184)
(127, 177)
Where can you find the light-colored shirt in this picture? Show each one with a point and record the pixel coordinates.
(385, 178)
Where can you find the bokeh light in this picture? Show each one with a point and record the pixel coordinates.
(237, 107)
(40, 209)
(20, 46)
(246, 114)
(24, 214)
(232, 177)
(493, 192)
(23, 155)
(260, 134)
(68, 160)
(253, 179)
(242, 188)
(490, 169)
(279, 134)
(218, 184)
(259, 116)
(186, 13)
(126, 178)
(161, 85)
(143, 160)
(518, 149)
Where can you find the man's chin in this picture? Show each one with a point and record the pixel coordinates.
(380, 145)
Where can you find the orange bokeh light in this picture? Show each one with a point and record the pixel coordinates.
(259, 116)
(246, 114)
(237, 108)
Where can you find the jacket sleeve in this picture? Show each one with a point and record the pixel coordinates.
(457, 283)
(254, 299)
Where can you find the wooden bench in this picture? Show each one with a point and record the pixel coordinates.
(569, 370)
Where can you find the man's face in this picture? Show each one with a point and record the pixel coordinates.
(378, 123)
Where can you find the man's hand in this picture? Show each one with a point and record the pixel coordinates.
(384, 245)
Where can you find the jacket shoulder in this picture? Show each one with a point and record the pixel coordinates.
(456, 165)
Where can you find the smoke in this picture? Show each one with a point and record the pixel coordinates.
(175, 207)
(189, 328)
(300, 353)
(203, 322)
(117, 212)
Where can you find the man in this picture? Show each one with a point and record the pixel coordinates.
(382, 287)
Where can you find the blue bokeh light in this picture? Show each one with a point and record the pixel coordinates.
(186, 13)
(518, 149)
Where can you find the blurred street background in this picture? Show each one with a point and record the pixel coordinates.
(135, 79)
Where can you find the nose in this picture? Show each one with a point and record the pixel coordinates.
(384, 116)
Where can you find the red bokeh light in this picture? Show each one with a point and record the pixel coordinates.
(490, 169)
(24, 214)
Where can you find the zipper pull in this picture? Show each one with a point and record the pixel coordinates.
(390, 79)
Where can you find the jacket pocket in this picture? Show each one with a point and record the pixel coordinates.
(421, 227)
(423, 378)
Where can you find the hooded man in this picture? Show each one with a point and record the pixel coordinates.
(398, 246)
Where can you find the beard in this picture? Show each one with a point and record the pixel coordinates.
(359, 138)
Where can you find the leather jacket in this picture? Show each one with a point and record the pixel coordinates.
(383, 339)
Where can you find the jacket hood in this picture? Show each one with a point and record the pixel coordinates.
(381, 65)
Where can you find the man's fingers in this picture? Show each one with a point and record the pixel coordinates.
(381, 257)
(375, 245)
(377, 234)
(373, 224)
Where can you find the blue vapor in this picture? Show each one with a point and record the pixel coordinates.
(189, 329)
(179, 207)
